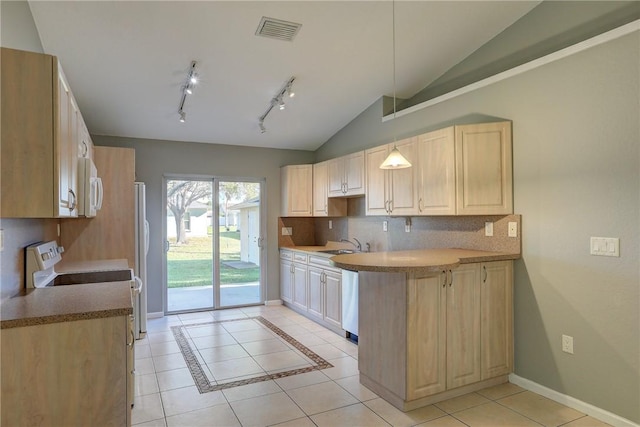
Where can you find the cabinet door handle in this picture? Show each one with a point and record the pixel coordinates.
(450, 278)
(444, 278)
(484, 269)
(420, 204)
(85, 148)
(73, 202)
(390, 205)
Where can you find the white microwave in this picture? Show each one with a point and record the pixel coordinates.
(89, 188)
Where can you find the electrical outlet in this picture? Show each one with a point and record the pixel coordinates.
(385, 225)
(567, 344)
(488, 229)
(287, 231)
(330, 224)
(407, 228)
(513, 229)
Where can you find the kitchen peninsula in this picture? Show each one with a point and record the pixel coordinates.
(434, 323)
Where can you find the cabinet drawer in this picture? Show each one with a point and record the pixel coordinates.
(298, 257)
(286, 255)
(323, 262)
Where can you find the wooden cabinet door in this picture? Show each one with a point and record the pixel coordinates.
(333, 298)
(296, 190)
(65, 133)
(402, 183)
(463, 326)
(354, 174)
(496, 323)
(484, 169)
(66, 373)
(436, 173)
(336, 180)
(286, 280)
(426, 336)
(300, 285)
(322, 204)
(376, 181)
(320, 196)
(316, 292)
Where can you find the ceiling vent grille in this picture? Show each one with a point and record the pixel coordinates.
(277, 29)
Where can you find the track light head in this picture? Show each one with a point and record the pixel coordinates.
(193, 79)
(183, 116)
(262, 128)
(188, 89)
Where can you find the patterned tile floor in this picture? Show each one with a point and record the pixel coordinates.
(243, 346)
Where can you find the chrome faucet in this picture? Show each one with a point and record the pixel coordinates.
(357, 245)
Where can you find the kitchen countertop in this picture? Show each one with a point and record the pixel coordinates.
(66, 303)
(420, 261)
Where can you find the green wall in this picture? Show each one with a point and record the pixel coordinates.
(576, 168)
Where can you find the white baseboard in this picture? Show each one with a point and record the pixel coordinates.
(572, 402)
(155, 315)
(273, 302)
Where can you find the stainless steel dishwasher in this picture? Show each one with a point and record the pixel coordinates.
(350, 303)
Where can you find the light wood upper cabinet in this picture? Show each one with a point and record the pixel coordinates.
(296, 190)
(484, 169)
(392, 192)
(322, 204)
(41, 126)
(436, 167)
(346, 175)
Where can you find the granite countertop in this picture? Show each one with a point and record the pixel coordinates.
(420, 261)
(66, 303)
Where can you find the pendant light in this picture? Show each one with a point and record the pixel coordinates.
(395, 159)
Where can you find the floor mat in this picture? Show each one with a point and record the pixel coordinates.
(205, 384)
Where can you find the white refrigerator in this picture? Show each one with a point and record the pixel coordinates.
(140, 268)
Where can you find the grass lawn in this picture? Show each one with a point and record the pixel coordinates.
(191, 264)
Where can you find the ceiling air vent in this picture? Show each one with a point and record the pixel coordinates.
(277, 29)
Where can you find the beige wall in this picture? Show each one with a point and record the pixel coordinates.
(576, 174)
(154, 159)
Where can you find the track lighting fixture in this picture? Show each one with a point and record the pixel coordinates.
(187, 89)
(278, 100)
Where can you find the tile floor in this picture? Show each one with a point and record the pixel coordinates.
(167, 395)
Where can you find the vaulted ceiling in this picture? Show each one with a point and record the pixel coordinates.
(127, 62)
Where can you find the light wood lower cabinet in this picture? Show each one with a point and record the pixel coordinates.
(293, 278)
(317, 295)
(67, 374)
(426, 339)
(325, 291)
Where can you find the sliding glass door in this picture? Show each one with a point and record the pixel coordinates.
(213, 244)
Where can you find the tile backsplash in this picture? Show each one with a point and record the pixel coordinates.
(425, 232)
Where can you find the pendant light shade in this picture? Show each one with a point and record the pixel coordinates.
(395, 160)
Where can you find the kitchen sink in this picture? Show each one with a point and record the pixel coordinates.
(93, 277)
(338, 251)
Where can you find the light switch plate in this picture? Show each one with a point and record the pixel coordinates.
(385, 226)
(488, 229)
(605, 246)
(330, 224)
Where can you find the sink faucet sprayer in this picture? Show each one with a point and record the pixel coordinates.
(357, 245)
